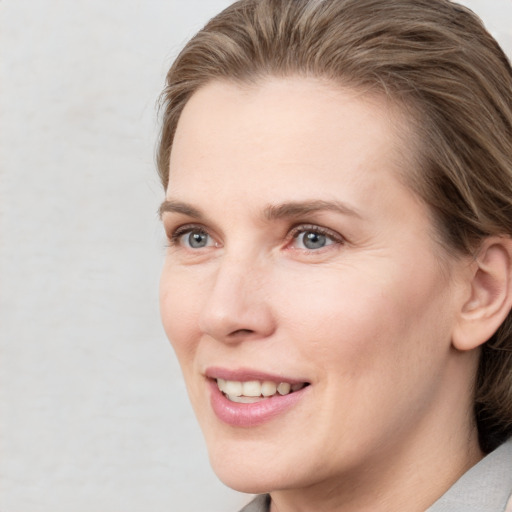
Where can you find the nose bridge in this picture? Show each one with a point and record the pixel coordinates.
(237, 302)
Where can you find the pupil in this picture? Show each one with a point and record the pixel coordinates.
(197, 240)
(314, 240)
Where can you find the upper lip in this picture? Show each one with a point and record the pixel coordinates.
(247, 374)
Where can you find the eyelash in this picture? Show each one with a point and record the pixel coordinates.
(336, 238)
(175, 236)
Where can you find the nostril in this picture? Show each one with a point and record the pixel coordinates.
(242, 332)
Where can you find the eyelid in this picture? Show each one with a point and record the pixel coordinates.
(185, 228)
(315, 228)
(174, 235)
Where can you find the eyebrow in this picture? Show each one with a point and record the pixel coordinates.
(298, 208)
(179, 207)
(291, 209)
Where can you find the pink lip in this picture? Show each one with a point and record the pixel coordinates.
(250, 415)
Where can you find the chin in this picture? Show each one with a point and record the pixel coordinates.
(246, 483)
(259, 466)
(246, 468)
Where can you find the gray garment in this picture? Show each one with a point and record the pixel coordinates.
(259, 504)
(486, 487)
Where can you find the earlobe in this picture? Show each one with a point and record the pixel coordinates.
(490, 298)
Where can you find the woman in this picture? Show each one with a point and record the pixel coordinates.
(338, 282)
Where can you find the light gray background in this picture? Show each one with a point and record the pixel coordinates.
(93, 413)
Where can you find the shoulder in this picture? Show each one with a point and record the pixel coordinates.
(486, 487)
(259, 504)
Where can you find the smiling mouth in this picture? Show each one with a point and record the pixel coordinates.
(249, 392)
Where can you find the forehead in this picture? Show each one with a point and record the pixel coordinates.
(285, 130)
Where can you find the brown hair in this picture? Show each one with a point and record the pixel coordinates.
(432, 57)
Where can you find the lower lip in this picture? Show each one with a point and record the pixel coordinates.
(251, 415)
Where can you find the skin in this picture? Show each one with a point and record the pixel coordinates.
(367, 319)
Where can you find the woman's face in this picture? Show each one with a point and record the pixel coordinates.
(302, 288)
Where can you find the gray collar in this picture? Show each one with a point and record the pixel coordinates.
(259, 504)
(486, 487)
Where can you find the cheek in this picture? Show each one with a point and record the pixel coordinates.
(179, 311)
(367, 317)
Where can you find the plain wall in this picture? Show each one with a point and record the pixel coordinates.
(94, 416)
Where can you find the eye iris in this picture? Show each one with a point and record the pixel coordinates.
(314, 240)
(197, 239)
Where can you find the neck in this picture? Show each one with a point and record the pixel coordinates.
(410, 472)
(403, 482)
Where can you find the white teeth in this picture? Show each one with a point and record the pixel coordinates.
(251, 388)
(283, 388)
(232, 388)
(245, 399)
(268, 388)
(252, 391)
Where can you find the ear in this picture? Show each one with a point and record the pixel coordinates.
(490, 299)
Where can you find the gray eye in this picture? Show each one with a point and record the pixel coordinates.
(197, 239)
(312, 240)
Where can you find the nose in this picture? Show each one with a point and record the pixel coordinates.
(238, 305)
